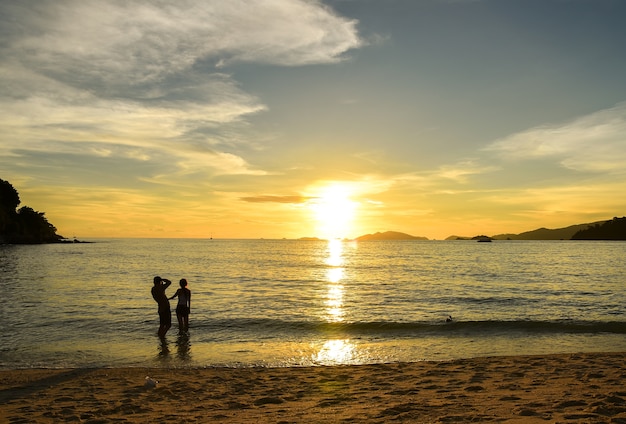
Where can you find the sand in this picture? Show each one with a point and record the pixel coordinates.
(589, 388)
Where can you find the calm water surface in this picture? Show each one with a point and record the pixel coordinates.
(291, 303)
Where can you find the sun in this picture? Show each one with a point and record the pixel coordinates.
(333, 210)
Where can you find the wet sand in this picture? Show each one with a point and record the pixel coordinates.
(589, 388)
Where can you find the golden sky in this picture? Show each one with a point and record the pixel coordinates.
(293, 118)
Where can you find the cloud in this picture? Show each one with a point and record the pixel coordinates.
(431, 179)
(275, 199)
(113, 45)
(140, 78)
(283, 32)
(460, 172)
(596, 142)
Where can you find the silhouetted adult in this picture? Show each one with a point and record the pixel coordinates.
(165, 314)
(184, 306)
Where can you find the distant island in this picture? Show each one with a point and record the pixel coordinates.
(23, 225)
(388, 235)
(614, 229)
(565, 233)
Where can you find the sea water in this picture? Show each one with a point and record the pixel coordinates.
(302, 303)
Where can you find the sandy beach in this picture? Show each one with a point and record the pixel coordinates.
(551, 388)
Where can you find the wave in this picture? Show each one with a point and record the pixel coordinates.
(386, 328)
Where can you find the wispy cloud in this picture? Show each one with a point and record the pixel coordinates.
(114, 44)
(462, 171)
(275, 199)
(596, 142)
(141, 78)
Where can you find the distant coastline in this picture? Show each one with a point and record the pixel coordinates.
(614, 229)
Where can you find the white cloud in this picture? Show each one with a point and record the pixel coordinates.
(87, 76)
(281, 32)
(114, 44)
(72, 115)
(596, 142)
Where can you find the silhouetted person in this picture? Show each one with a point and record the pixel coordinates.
(165, 314)
(184, 306)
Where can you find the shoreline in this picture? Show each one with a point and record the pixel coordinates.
(529, 388)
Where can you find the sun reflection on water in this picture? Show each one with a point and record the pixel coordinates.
(334, 294)
(334, 275)
(335, 253)
(334, 303)
(336, 352)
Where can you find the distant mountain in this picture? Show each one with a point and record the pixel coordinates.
(565, 233)
(389, 235)
(453, 237)
(481, 237)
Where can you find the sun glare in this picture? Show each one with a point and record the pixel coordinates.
(336, 352)
(334, 211)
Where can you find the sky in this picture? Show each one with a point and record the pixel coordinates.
(304, 118)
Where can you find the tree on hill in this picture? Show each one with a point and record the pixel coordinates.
(9, 201)
(610, 230)
(24, 225)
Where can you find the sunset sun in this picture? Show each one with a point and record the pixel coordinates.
(333, 210)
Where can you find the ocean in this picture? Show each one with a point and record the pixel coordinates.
(278, 303)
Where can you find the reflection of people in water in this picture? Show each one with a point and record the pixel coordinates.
(184, 306)
(165, 314)
(164, 350)
(183, 347)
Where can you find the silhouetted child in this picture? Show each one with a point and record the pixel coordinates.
(184, 306)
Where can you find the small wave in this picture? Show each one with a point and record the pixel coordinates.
(386, 328)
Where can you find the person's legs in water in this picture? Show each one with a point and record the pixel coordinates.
(186, 320)
(182, 314)
(165, 318)
(181, 324)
